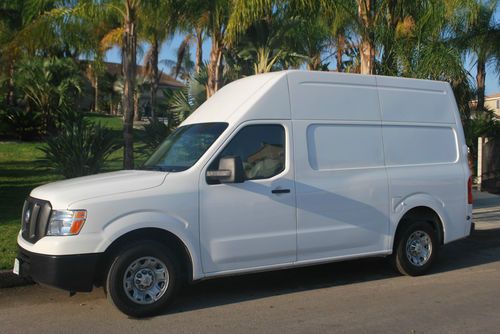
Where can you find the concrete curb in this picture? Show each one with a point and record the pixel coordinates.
(8, 279)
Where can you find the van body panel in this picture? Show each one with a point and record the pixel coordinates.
(413, 100)
(261, 97)
(323, 96)
(163, 207)
(343, 208)
(63, 193)
(437, 182)
(244, 224)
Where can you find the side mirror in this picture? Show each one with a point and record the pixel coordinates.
(230, 171)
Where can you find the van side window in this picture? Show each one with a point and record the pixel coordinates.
(261, 149)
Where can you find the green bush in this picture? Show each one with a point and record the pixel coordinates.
(79, 149)
(21, 124)
(155, 133)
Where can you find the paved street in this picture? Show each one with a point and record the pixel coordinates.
(461, 295)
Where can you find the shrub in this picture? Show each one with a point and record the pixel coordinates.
(21, 124)
(155, 133)
(79, 149)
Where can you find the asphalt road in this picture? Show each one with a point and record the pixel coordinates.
(461, 295)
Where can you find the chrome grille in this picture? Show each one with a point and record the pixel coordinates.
(35, 217)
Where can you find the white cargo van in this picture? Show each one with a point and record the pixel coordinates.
(277, 170)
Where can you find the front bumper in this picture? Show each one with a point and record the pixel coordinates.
(75, 273)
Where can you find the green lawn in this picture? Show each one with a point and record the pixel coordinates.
(19, 174)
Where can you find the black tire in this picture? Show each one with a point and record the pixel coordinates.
(155, 255)
(402, 258)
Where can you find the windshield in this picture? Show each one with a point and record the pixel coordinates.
(184, 147)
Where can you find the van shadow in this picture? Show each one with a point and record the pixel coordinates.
(481, 248)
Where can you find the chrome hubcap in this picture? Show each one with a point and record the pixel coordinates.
(146, 280)
(419, 248)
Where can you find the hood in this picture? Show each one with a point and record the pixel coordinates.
(62, 193)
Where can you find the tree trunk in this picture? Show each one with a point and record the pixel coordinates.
(96, 91)
(215, 66)
(111, 109)
(137, 112)
(155, 77)
(480, 82)
(340, 52)
(315, 63)
(367, 45)
(199, 50)
(10, 85)
(129, 73)
(388, 62)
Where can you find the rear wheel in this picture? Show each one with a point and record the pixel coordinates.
(415, 249)
(143, 279)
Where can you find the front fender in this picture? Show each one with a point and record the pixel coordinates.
(154, 219)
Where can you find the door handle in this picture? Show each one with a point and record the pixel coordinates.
(280, 191)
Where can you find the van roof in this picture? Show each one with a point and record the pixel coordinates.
(312, 97)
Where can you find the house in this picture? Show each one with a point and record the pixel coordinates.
(492, 102)
(110, 85)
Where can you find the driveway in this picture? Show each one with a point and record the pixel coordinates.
(461, 295)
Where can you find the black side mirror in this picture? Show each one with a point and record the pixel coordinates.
(230, 170)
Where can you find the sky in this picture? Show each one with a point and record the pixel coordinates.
(169, 51)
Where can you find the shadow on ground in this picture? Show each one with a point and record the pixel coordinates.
(481, 248)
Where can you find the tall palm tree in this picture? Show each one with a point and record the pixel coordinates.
(481, 38)
(129, 15)
(217, 13)
(10, 24)
(126, 13)
(211, 16)
(158, 22)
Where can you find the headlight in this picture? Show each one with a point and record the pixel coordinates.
(68, 222)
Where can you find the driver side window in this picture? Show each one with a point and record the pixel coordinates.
(261, 149)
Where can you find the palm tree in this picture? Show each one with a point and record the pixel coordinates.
(158, 22)
(269, 44)
(480, 38)
(338, 16)
(125, 13)
(50, 87)
(217, 13)
(10, 24)
(211, 16)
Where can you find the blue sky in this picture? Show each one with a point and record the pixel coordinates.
(169, 51)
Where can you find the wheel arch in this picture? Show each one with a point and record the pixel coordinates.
(421, 213)
(165, 237)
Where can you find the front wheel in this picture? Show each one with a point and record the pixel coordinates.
(415, 249)
(143, 279)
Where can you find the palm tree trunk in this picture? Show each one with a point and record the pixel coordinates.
(215, 66)
(10, 85)
(199, 50)
(314, 63)
(480, 82)
(367, 45)
(340, 52)
(155, 76)
(137, 112)
(96, 91)
(129, 72)
(388, 61)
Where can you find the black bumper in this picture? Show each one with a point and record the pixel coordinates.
(75, 273)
